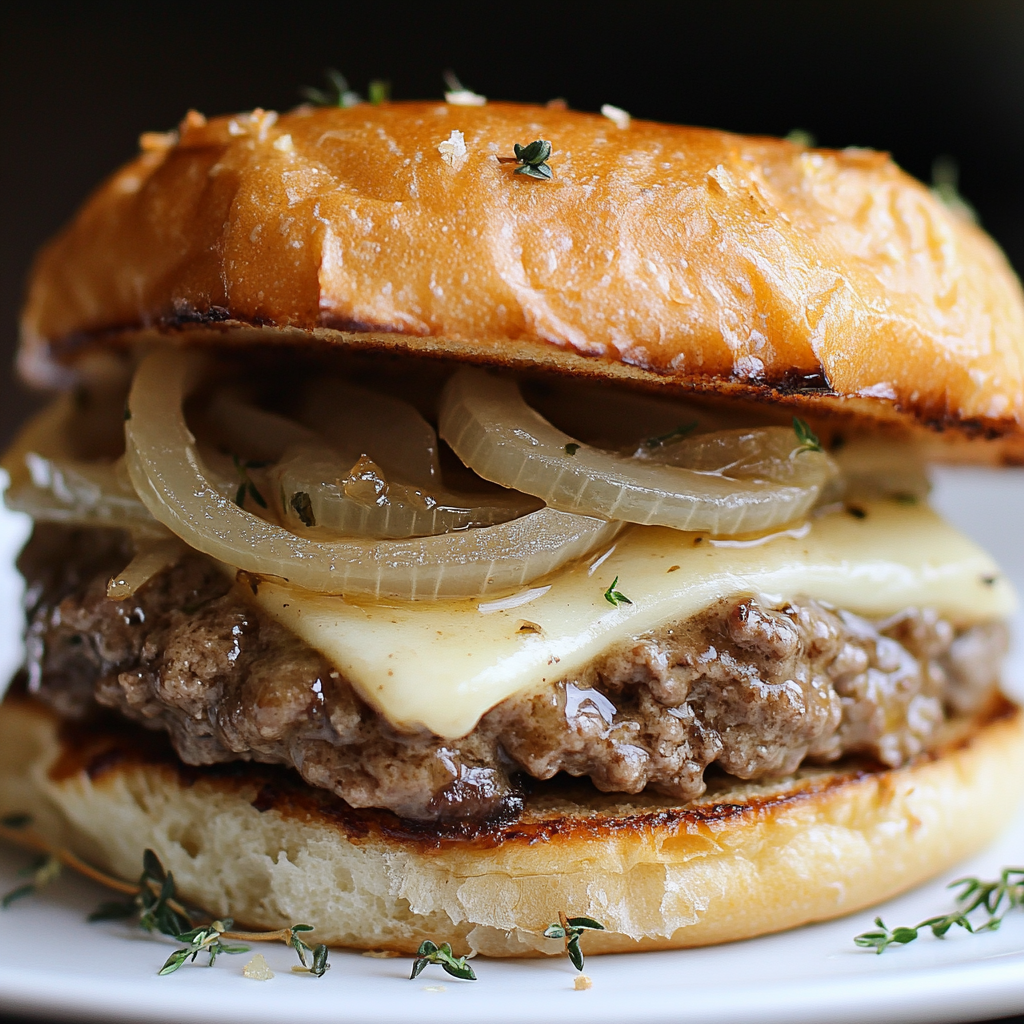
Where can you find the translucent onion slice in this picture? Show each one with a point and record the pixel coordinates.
(50, 485)
(879, 467)
(254, 433)
(150, 559)
(390, 431)
(743, 481)
(171, 478)
(313, 484)
(314, 488)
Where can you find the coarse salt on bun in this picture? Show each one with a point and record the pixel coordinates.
(665, 255)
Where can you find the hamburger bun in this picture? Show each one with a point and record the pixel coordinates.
(672, 257)
(744, 860)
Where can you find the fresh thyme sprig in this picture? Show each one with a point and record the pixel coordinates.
(337, 94)
(43, 870)
(532, 159)
(154, 899)
(207, 939)
(808, 438)
(571, 929)
(613, 596)
(430, 953)
(997, 898)
(247, 486)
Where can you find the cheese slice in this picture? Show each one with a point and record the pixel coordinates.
(442, 665)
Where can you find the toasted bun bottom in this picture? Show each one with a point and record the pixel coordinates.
(260, 846)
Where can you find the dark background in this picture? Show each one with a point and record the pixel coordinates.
(920, 78)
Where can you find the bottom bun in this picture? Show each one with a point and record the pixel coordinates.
(259, 845)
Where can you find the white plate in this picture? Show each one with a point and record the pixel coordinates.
(52, 962)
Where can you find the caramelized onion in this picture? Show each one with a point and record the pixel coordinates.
(175, 484)
(150, 559)
(313, 488)
(313, 483)
(356, 421)
(48, 483)
(739, 482)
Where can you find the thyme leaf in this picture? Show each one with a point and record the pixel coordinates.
(247, 486)
(43, 870)
(572, 448)
(808, 439)
(659, 441)
(206, 939)
(571, 929)
(533, 159)
(378, 91)
(946, 188)
(430, 953)
(801, 137)
(337, 94)
(613, 596)
(997, 898)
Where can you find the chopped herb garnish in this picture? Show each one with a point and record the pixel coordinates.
(533, 159)
(378, 91)
(808, 439)
(127, 413)
(302, 505)
(857, 512)
(997, 898)
(16, 820)
(429, 953)
(572, 448)
(337, 94)
(905, 498)
(570, 929)
(661, 440)
(612, 596)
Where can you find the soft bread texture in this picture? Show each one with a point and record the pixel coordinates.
(664, 255)
(744, 860)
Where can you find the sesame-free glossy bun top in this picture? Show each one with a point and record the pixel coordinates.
(676, 256)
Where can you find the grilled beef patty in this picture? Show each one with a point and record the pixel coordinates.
(752, 685)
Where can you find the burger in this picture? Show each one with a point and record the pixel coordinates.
(455, 514)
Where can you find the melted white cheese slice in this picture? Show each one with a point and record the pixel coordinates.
(442, 665)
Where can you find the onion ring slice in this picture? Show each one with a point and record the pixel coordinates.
(51, 485)
(173, 482)
(493, 431)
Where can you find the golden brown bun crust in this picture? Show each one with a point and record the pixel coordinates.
(254, 843)
(673, 255)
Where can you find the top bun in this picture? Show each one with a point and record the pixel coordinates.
(674, 256)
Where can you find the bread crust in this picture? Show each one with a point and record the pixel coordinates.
(746, 859)
(664, 255)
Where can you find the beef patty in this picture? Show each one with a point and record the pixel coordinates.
(750, 684)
